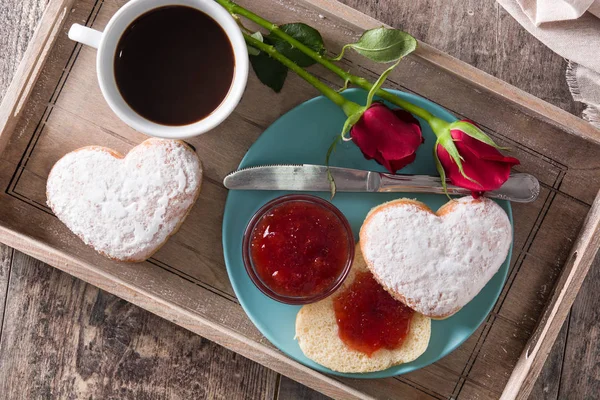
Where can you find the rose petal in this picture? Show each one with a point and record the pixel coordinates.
(391, 137)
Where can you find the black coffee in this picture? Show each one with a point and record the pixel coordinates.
(174, 65)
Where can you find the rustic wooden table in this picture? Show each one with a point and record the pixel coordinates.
(79, 342)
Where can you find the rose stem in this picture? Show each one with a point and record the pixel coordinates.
(436, 123)
(348, 106)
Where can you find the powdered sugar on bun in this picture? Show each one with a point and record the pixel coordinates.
(125, 207)
(436, 264)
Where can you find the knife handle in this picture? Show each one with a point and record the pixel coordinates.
(520, 188)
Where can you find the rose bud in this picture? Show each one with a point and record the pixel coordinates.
(483, 166)
(390, 137)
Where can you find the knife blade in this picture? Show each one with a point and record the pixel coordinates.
(519, 187)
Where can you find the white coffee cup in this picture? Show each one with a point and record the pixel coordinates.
(106, 42)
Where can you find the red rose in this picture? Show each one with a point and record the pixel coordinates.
(390, 137)
(486, 167)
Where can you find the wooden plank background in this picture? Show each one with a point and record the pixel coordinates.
(60, 336)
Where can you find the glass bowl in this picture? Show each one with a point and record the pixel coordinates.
(254, 274)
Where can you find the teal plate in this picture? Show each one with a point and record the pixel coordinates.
(302, 136)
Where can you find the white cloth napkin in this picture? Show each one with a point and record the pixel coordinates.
(566, 28)
(540, 11)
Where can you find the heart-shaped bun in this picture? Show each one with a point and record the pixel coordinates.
(317, 335)
(125, 207)
(435, 263)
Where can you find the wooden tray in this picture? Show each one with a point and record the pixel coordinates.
(54, 105)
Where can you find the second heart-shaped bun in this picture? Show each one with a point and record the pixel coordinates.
(435, 263)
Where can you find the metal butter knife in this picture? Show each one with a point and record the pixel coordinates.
(521, 188)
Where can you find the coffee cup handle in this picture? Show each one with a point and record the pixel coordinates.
(85, 35)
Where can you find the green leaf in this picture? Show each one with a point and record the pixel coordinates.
(303, 33)
(382, 45)
(331, 149)
(350, 121)
(448, 143)
(440, 168)
(269, 71)
(346, 84)
(378, 84)
(252, 50)
(475, 133)
(332, 187)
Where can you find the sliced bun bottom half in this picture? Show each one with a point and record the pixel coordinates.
(317, 335)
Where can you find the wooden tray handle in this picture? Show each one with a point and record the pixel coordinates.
(540, 343)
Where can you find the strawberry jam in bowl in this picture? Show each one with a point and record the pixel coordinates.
(298, 249)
